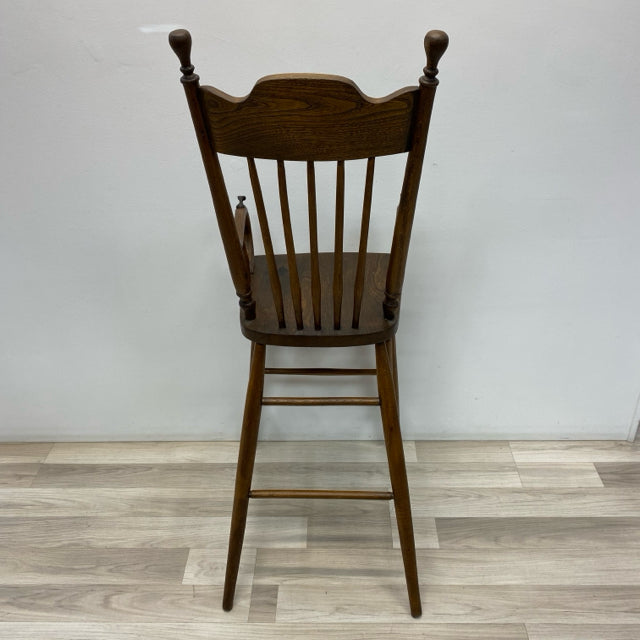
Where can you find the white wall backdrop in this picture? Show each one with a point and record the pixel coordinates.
(522, 296)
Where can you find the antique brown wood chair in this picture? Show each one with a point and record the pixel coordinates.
(315, 299)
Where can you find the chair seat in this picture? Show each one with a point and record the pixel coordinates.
(373, 328)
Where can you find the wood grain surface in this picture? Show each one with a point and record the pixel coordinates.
(285, 118)
(128, 540)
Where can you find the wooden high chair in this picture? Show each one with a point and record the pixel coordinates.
(315, 299)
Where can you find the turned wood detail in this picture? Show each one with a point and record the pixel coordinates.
(180, 41)
(435, 44)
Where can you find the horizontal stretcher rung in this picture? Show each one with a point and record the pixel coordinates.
(321, 371)
(331, 494)
(320, 401)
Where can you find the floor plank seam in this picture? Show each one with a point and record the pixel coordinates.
(139, 540)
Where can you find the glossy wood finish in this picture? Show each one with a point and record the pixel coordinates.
(272, 269)
(319, 371)
(325, 401)
(246, 458)
(316, 283)
(373, 326)
(285, 117)
(362, 247)
(320, 493)
(294, 279)
(338, 283)
(310, 118)
(315, 299)
(243, 229)
(435, 44)
(398, 473)
(180, 41)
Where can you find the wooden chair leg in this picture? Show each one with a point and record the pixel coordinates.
(398, 473)
(244, 472)
(394, 370)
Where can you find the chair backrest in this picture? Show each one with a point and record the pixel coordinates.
(311, 118)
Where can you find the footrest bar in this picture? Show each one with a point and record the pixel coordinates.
(321, 401)
(318, 371)
(331, 494)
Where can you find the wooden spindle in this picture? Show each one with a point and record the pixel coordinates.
(274, 279)
(245, 236)
(362, 249)
(329, 494)
(316, 292)
(339, 239)
(294, 280)
(323, 401)
(318, 371)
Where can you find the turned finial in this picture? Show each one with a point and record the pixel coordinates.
(180, 41)
(435, 44)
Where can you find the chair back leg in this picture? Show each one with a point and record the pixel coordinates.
(244, 472)
(397, 470)
(394, 369)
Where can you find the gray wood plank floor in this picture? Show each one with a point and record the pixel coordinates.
(516, 541)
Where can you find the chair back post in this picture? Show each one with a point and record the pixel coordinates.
(435, 44)
(180, 41)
